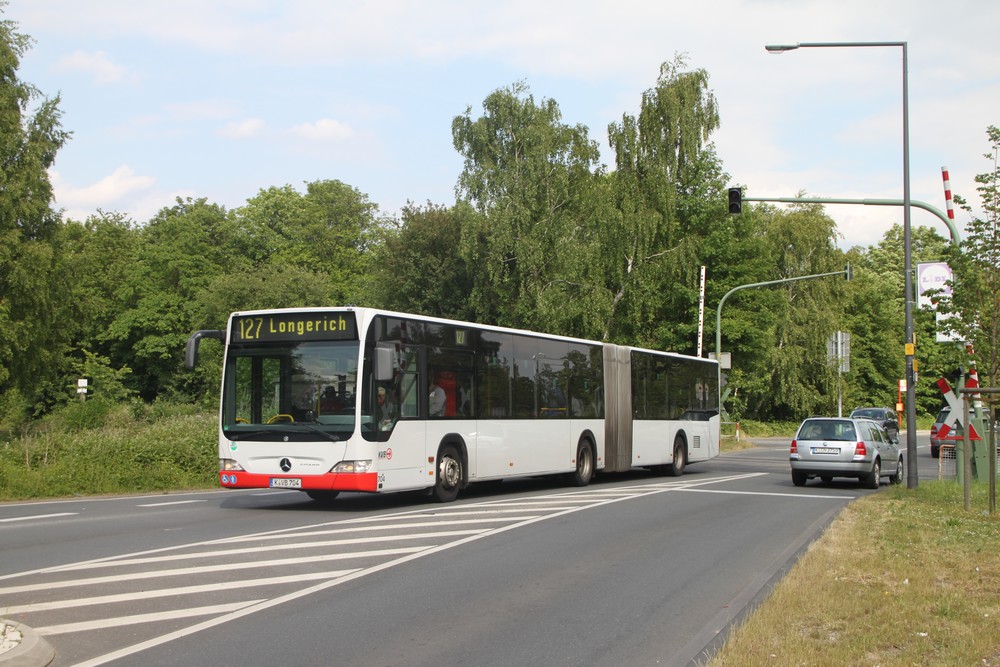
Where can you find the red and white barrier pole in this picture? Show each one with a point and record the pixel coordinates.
(947, 193)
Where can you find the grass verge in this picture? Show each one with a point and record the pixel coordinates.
(135, 449)
(901, 577)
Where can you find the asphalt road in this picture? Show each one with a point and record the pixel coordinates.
(635, 569)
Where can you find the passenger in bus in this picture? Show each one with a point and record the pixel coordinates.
(330, 401)
(385, 411)
(437, 398)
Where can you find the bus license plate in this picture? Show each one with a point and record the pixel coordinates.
(825, 450)
(286, 483)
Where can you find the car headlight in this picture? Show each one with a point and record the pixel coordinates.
(352, 466)
(229, 465)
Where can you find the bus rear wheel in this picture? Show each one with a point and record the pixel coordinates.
(449, 475)
(676, 467)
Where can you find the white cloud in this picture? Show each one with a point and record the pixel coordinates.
(243, 129)
(325, 129)
(105, 193)
(98, 65)
(121, 191)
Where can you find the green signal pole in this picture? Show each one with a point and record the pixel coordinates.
(866, 202)
(718, 313)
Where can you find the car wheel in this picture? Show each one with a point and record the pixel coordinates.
(799, 478)
(935, 451)
(897, 477)
(871, 480)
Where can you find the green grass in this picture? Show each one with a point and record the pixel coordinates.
(901, 577)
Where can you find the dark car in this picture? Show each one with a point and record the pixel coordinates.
(886, 417)
(955, 431)
(935, 429)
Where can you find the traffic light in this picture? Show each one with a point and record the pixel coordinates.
(735, 200)
(849, 272)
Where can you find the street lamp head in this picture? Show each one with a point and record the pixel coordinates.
(780, 48)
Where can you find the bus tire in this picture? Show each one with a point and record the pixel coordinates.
(676, 467)
(448, 478)
(584, 464)
(320, 496)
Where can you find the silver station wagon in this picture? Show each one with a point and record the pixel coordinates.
(828, 447)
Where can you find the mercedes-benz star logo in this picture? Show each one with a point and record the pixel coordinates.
(285, 464)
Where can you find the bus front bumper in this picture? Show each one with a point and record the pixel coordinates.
(365, 481)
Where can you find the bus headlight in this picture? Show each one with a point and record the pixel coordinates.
(352, 466)
(229, 465)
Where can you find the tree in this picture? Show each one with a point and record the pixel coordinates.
(659, 159)
(795, 379)
(180, 252)
(31, 340)
(878, 361)
(328, 230)
(975, 299)
(417, 266)
(531, 178)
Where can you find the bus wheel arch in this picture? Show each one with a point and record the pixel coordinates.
(680, 456)
(450, 469)
(586, 457)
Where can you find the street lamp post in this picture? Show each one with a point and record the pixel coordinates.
(909, 347)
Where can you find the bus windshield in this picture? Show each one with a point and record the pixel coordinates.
(290, 391)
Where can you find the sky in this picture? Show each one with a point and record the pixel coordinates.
(222, 98)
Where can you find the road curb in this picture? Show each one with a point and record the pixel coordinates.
(31, 651)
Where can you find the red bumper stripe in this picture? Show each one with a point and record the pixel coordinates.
(367, 481)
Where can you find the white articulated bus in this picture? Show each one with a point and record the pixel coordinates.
(326, 400)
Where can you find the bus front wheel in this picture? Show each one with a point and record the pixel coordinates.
(324, 497)
(449, 475)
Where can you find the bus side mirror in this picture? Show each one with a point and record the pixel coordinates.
(191, 352)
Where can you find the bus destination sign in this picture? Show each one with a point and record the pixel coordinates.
(294, 327)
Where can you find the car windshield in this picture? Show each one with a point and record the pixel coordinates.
(868, 413)
(827, 429)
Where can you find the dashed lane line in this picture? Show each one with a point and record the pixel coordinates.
(37, 516)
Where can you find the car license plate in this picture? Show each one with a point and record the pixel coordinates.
(286, 483)
(825, 450)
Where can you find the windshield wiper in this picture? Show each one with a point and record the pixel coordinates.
(316, 429)
(240, 435)
(290, 426)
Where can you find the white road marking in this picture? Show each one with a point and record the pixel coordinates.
(174, 502)
(766, 493)
(225, 567)
(143, 618)
(172, 592)
(274, 547)
(37, 516)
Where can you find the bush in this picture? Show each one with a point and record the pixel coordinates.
(124, 448)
